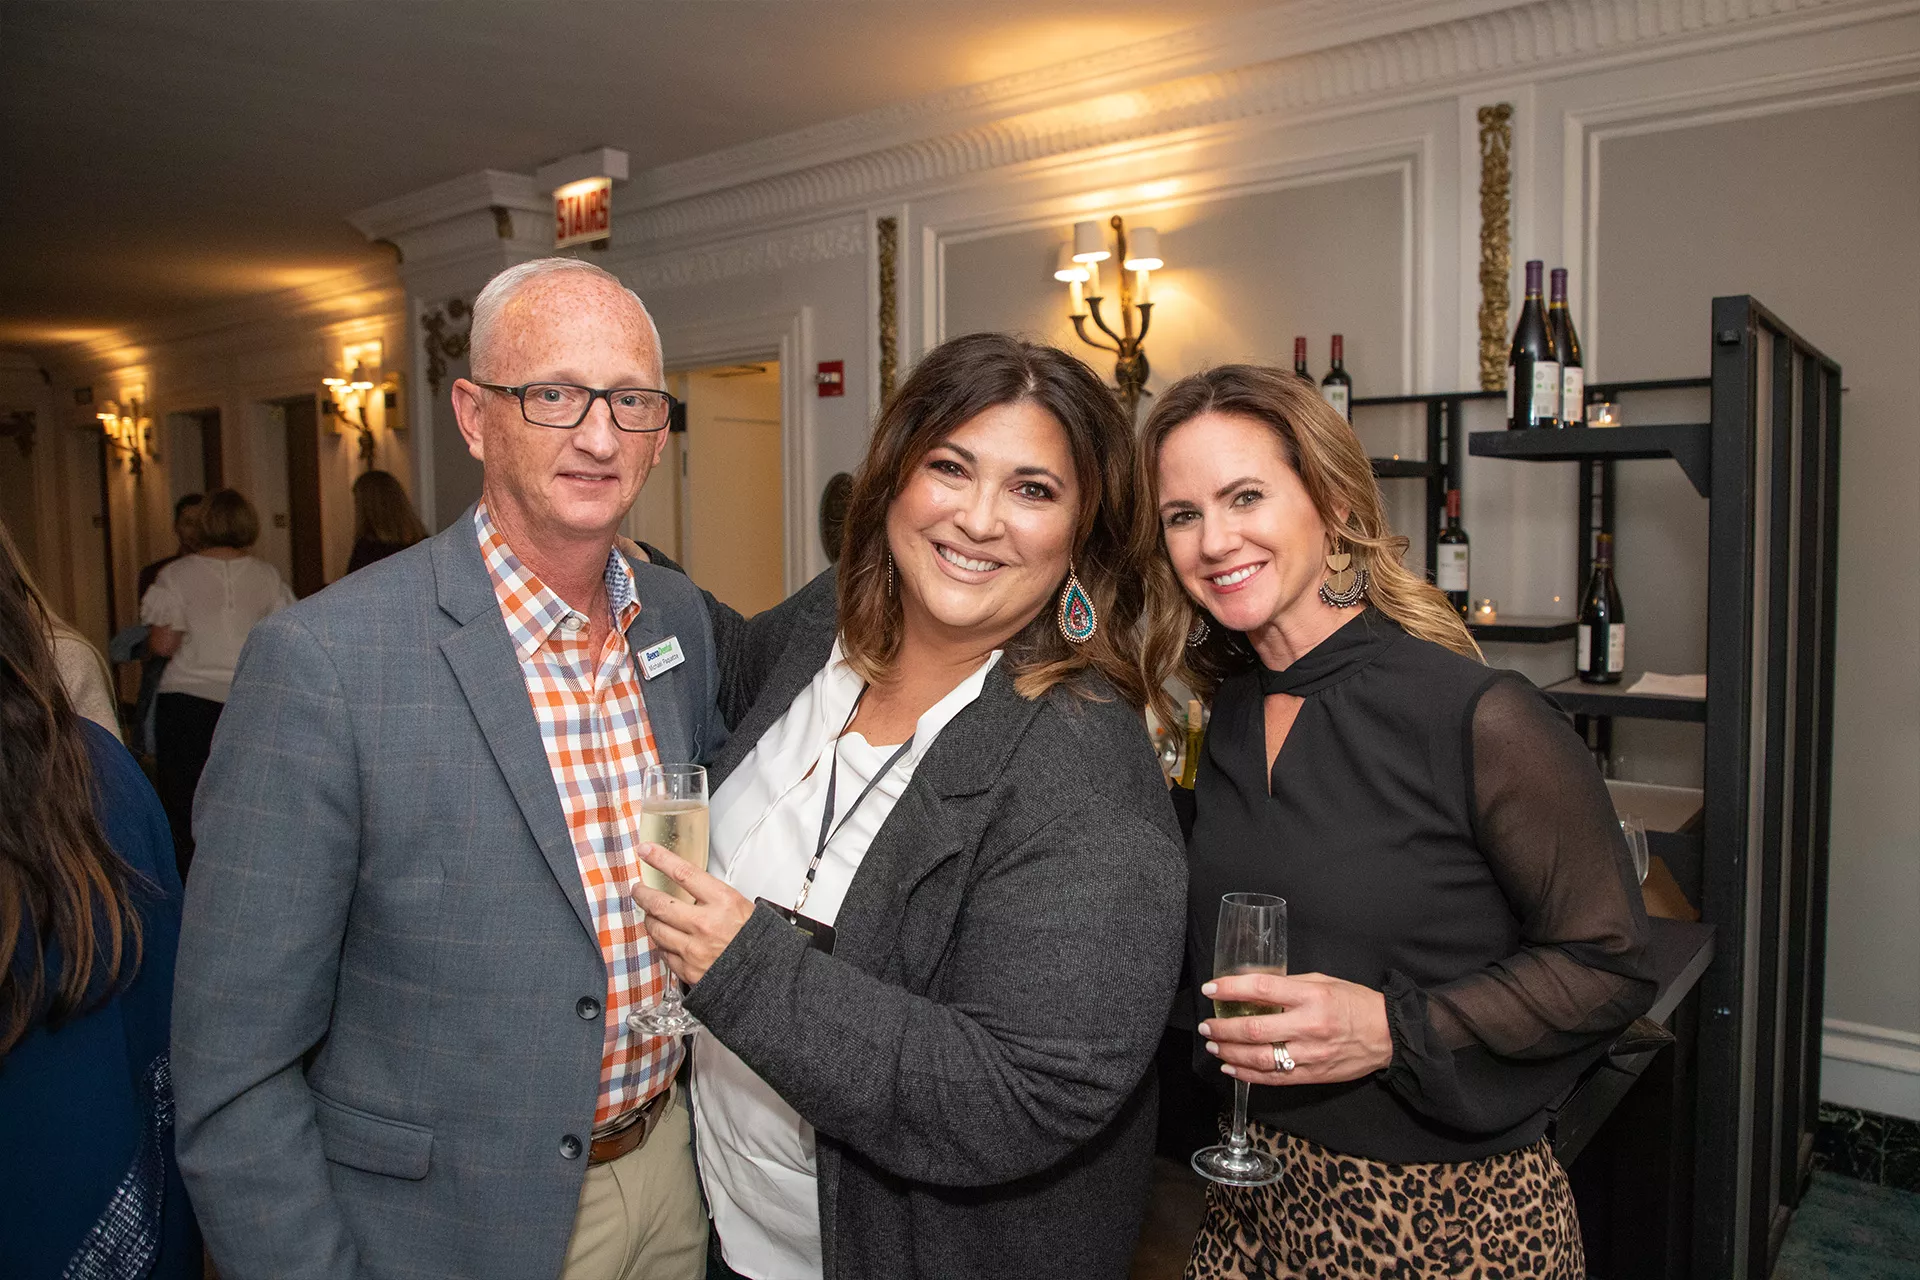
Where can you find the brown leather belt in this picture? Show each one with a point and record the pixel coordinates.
(633, 1131)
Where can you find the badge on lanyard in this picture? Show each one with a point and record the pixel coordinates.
(664, 656)
(819, 936)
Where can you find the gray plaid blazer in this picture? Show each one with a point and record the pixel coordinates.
(387, 1026)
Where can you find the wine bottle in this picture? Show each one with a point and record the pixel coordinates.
(1190, 765)
(1600, 650)
(1533, 367)
(1300, 359)
(1566, 343)
(1337, 388)
(1450, 566)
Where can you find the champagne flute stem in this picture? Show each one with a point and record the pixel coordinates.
(1237, 1137)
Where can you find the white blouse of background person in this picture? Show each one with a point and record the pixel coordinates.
(214, 602)
(756, 1155)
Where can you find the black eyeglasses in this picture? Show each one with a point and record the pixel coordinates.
(564, 406)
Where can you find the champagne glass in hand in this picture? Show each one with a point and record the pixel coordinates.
(1252, 938)
(673, 815)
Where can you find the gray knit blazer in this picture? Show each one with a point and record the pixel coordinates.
(975, 1053)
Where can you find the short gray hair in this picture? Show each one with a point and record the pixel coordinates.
(501, 289)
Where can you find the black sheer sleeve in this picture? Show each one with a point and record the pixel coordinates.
(1544, 821)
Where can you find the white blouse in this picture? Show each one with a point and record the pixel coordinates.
(756, 1153)
(215, 602)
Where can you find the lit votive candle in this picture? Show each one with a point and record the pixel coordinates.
(1486, 609)
(1603, 413)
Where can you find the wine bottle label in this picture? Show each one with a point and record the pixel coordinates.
(1450, 574)
(1336, 394)
(1510, 391)
(1582, 647)
(1617, 648)
(1616, 656)
(1546, 389)
(1573, 397)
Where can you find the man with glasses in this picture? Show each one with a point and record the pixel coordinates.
(400, 1028)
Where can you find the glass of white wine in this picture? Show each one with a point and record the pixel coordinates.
(673, 815)
(1251, 938)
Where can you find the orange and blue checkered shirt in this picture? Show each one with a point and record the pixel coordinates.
(593, 721)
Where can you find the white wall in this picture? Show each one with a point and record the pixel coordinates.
(1816, 208)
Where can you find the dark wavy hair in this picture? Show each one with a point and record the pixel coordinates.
(64, 892)
(1114, 533)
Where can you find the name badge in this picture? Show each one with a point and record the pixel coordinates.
(664, 656)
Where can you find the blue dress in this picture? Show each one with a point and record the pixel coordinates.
(74, 1102)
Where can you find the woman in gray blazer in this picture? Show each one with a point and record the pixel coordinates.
(943, 923)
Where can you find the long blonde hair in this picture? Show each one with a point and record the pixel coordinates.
(1327, 456)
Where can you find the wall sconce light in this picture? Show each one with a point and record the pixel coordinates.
(130, 434)
(1079, 266)
(346, 400)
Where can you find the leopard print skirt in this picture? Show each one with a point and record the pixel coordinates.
(1332, 1216)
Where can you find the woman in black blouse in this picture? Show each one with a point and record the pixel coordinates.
(1466, 935)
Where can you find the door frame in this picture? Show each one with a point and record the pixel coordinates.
(788, 337)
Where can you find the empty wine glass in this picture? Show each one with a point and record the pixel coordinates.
(1252, 938)
(1635, 830)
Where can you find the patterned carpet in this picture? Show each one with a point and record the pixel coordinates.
(1851, 1230)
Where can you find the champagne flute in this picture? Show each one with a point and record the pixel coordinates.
(1635, 831)
(1251, 938)
(673, 815)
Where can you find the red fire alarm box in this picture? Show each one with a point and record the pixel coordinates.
(832, 378)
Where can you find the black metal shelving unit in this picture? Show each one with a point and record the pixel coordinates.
(1739, 1100)
(1441, 469)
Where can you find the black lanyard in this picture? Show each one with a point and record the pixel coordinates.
(828, 829)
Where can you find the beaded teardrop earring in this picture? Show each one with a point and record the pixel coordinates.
(1076, 617)
(1197, 633)
(889, 575)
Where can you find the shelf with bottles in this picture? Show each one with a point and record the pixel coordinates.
(1690, 444)
(1576, 697)
(1523, 629)
(1405, 469)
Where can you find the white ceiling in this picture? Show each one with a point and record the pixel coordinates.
(163, 154)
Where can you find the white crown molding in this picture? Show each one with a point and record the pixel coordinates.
(1286, 29)
(469, 193)
(852, 162)
(756, 255)
(344, 297)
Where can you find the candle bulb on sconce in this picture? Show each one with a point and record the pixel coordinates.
(1076, 275)
(1087, 251)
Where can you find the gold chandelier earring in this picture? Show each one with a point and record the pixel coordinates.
(1348, 584)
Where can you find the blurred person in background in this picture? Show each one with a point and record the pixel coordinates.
(83, 671)
(89, 922)
(384, 520)
(201, 608)
(186, 524)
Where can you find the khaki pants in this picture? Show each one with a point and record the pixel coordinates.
(640, 1216)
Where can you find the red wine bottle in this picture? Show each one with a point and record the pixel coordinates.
(1450, 565)
(1533, 366)
(1300, 359)
(1337, 388)
(1600, 651)
(1573, 377)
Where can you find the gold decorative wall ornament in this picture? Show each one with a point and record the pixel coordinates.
(447, 338)
(1496, 241)
(887, 240)
(129, 433)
